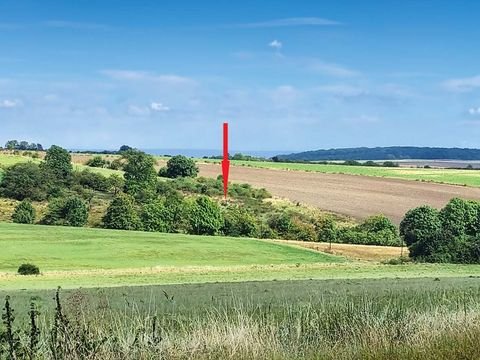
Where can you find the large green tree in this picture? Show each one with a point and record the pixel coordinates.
(58, 164)
(179, 166)
(140, 175)
(24, 181)
(122, 214)
(205, 217)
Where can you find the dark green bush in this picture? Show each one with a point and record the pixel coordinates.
(327, 229)
(28, 269)
(180, 166)
(204, 216)
(420, 224)
(155, 217)
(97, 161)
(281, 223)
(91, 180)
(70, 211)
(122, 214)
(239, 222)
(24, 181)
(24, 213)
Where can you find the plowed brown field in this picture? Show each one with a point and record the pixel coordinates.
(353, 195)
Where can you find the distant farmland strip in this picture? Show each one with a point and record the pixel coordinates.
(356, 196)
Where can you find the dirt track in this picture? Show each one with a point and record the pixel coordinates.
(353, 195)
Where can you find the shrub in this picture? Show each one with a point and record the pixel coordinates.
(75, 212)
(24, 181)
(91, 180)
(239, 222)
(28, 269)
(116, 164)
(266, 232)
(280, 223)
(115, 184)
(154, 217)
(122, 214)
(24, 213)
(97, 161)
(381, 228)
(302, 231)
(71, 211)
(180, 166)
(327, 229)
(204, 216)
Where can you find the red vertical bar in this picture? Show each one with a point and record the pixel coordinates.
(225, 141)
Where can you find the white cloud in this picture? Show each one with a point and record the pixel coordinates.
(138, 110)
(462, 84)
(10, 103)
(275, 44)
(134, 75)
(331, 69)
(474, 111)
(299, 21)
(158, 106)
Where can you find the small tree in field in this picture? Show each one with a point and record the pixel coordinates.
(180, 166)
(24, 213)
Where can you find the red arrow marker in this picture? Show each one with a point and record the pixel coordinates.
(225, 161)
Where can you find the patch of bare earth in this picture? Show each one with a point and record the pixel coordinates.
(352, 195)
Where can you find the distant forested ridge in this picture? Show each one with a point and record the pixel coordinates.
(384, 153)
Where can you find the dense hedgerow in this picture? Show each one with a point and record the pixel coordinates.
(449, 235)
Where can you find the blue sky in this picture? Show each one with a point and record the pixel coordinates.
(287, 75)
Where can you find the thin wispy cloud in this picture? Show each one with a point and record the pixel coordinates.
(158, 106)
(296, 21)
(10, 103)
(462, 84)
(134, 75)
(331, 69)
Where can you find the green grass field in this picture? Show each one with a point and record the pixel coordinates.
(448, 176)
(82, 257)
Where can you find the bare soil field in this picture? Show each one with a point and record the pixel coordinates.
(352, 195)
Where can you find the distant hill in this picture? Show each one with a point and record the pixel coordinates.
(384, 153)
